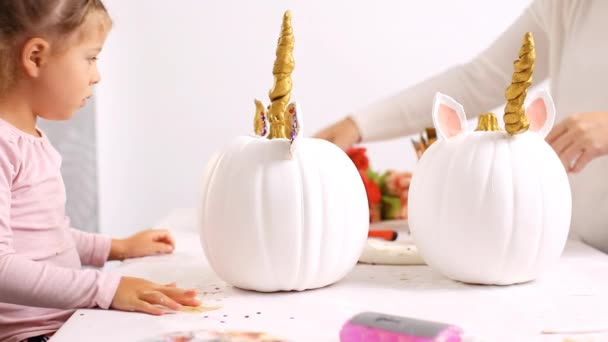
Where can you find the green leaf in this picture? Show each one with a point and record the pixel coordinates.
(382, 183)
(391, 207)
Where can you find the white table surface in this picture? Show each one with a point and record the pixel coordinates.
(572, 296)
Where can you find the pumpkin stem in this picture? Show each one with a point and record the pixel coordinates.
(515, 118)
(487, 122)
(281, 91)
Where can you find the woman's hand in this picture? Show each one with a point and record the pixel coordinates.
(343, 133)
(579, 139)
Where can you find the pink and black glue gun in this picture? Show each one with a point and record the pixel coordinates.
(374, 327)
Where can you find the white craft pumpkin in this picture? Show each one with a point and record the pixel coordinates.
(271, 222)
(281, 212)
(486, 207)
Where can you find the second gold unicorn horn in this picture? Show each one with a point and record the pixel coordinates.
(515, 118)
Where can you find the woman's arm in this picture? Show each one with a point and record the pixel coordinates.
(478, 85)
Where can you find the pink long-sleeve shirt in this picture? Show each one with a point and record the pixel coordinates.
(41, 276)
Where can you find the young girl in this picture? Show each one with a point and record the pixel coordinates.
(48, 52)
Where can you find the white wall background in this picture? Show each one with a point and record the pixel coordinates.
(76, 142)
(179, 79)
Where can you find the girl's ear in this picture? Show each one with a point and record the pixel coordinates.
(34, 55)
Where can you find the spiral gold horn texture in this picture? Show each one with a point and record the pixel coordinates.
(515, 118)
(281, 91)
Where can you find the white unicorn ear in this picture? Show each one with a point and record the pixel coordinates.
(448, 116)
(541, 113)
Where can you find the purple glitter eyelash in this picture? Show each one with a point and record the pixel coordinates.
(264, 124)
(294, 123)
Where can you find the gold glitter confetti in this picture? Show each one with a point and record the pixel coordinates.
(199, 309)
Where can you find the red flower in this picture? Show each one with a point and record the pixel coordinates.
(359, 157)
(374, 195)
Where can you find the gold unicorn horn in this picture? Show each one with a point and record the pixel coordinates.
(281, 91)
(515, 118)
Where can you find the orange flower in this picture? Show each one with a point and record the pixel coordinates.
(398, 183)
(359, 157)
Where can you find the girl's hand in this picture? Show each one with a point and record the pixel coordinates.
(135, 294)
(147, 242)
(579, 139)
